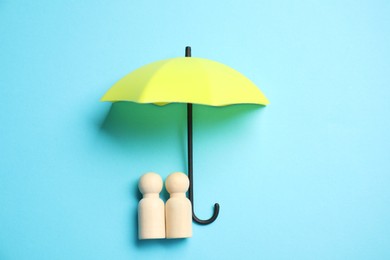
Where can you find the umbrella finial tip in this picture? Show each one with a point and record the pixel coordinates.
(188, 51)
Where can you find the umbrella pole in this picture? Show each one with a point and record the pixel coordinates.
(190, 165)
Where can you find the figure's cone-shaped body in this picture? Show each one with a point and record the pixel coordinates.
(151, 211)
(178, 209)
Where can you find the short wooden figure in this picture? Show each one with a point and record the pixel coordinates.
(151, 211)
(178, 209)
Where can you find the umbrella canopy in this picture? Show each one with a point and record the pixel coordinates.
(187, 80)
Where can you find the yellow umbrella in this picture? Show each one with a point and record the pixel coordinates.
(187, 80)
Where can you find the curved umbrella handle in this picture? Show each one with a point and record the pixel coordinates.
(207, 221)
(190, 173)
(191, 198)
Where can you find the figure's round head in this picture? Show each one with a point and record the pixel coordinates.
(150, 183)
(177, 182)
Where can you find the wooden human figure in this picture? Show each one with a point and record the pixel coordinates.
(178, 209)
(151, 211)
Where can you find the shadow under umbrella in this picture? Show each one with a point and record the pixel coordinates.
(131, 126)
(129, 122)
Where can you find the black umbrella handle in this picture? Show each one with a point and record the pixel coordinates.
(190, 174)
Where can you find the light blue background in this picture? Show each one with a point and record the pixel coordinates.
(306, 177)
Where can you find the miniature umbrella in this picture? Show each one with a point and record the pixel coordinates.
(187, 80)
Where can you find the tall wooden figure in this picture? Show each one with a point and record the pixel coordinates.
(151, 212)
(178, 209)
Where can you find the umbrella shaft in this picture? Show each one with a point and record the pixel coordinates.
(189, 146)
(190, 164)
(189, 142)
